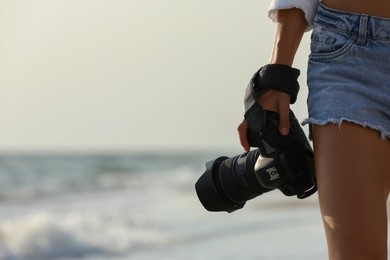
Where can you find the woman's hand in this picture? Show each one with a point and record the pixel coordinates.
(271, 100)
(279, 102)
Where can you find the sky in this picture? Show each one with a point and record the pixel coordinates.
(82, 75)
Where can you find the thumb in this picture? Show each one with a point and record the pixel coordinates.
(284, 124)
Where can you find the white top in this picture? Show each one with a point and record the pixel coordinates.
(309, 7)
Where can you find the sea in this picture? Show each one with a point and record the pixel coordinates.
(141, 205)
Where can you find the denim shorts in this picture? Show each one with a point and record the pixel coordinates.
(349, 70)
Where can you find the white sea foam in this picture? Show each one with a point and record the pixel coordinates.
(50, 235)
(39, 236)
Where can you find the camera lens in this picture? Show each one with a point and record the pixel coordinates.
(228, 183)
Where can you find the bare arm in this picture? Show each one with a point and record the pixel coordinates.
(289, 31)
(290, 27)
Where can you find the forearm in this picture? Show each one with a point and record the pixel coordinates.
(291, 24)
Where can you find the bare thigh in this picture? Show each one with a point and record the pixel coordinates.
(353, 175)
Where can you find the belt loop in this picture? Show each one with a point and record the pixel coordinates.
(362, 29)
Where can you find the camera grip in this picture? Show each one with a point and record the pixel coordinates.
(267, 137)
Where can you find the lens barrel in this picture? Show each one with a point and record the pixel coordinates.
(228, 183)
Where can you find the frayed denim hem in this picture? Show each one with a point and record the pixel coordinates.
(312, 121)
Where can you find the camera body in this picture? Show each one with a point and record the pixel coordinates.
(279, 162)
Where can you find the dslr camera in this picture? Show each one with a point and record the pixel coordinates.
(280, 162)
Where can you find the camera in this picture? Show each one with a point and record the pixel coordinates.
(280, 162)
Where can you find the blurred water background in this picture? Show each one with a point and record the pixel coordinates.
(141, 206)
(117, 75)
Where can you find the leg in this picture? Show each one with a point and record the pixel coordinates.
(353, 175)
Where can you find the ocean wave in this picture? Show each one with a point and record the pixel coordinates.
(40, 237)
(45, 235)
(30, 178)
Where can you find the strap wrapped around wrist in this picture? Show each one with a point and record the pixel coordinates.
(279, 77)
